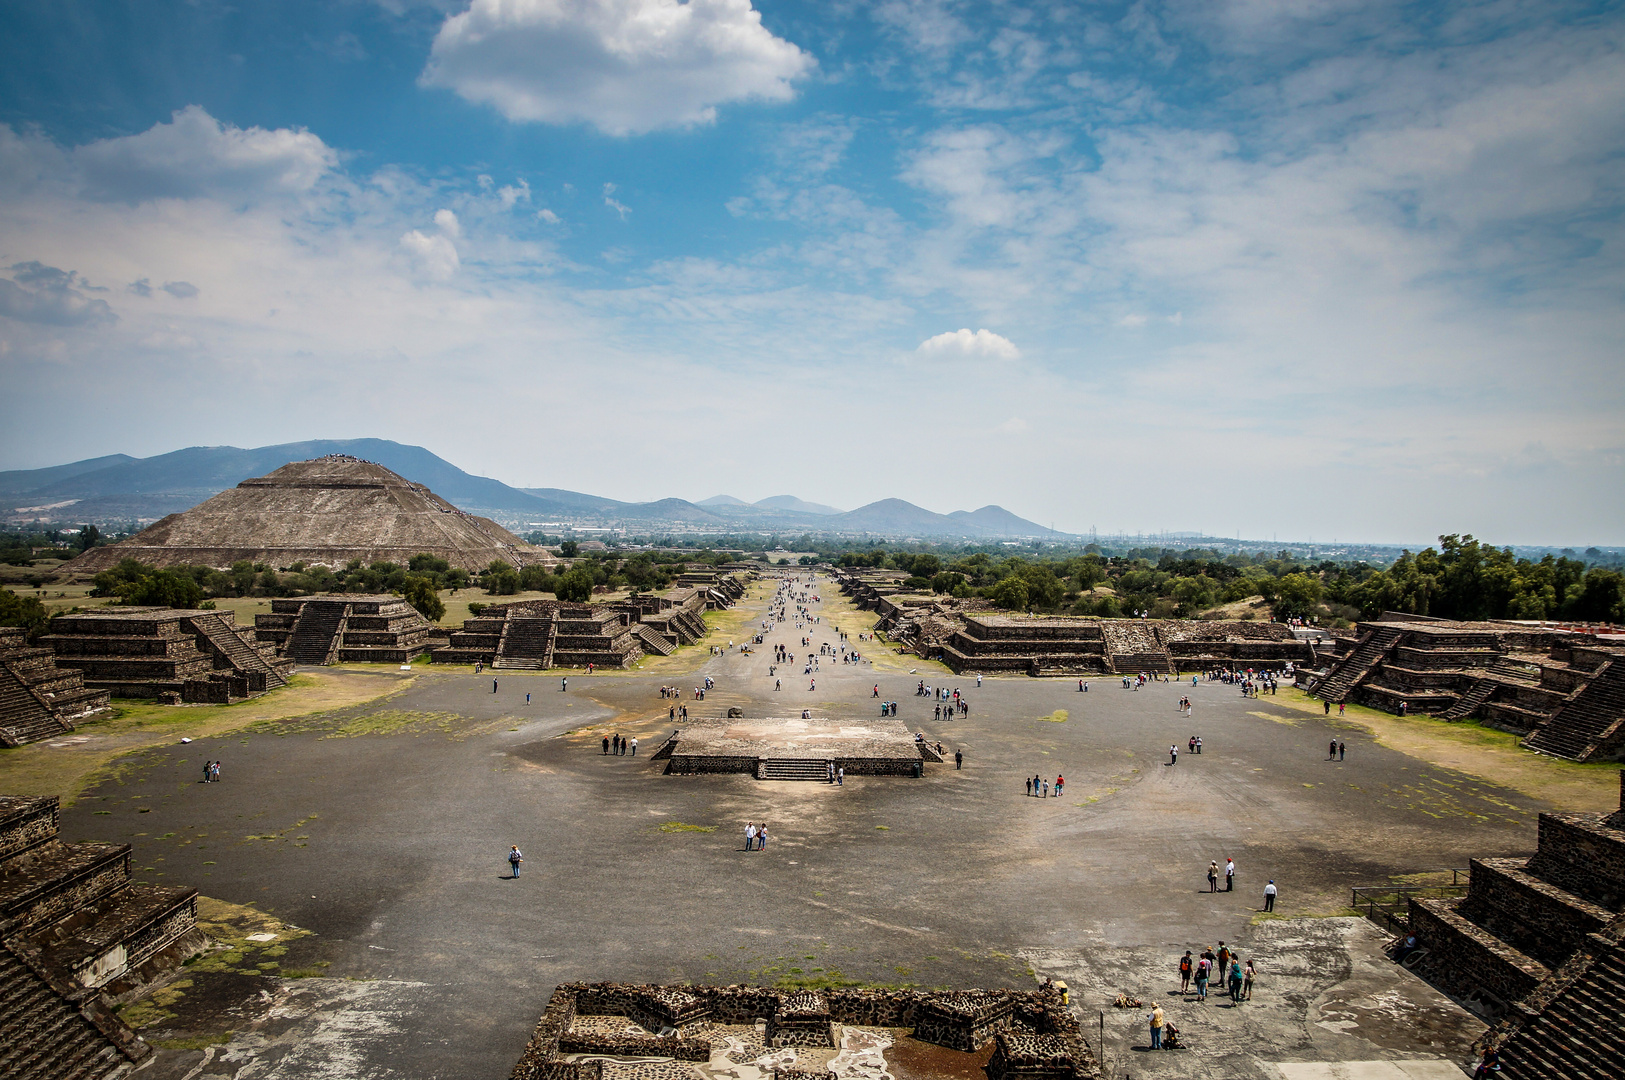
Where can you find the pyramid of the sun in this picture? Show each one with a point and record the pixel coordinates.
(328, 511)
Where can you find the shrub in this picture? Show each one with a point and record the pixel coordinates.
(420, 592)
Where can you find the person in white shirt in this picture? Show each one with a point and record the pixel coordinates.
(1269, 896)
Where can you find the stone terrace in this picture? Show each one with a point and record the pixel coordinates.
(38, 699)
(73, 925)
(343, 628)
(200, 656)
(540, 634)
(727, 1029)
(794, 749)
(1561, 688)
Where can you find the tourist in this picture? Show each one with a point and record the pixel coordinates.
(493, 686)
(564, 684)
(515, 858)
(634, 746)
(750, 836)
(606, 744)
(1235, 980)
(840, 776)
(1331, 755)
(527, 697)
(1269, 896)
(1173, 754)
(1028, 782)
(1212, 877)
(959, 759)
(1222, 966)
(1489, 1064)
(1186, 969)
(1247, 982)
(208, 769)
(1059, 780)
(1156, 1028)
(1229, 870)
(1342, 749)
(978, 681)
(1046, 789)
(1328, 708)
(1198, 741)
(214, 772)
(761, 837)
(1204, 967)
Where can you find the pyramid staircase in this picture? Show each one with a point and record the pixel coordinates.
(1477, 694)
(24, 717)
(227, 641)
(792, 769)
(1590, 725)
(316, 634)
(1357, 665)
(39, 700)
(1133, 647)
(653, 640)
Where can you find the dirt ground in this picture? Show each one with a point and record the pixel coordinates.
(380, 829)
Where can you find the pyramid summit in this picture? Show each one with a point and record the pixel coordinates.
(327, 511)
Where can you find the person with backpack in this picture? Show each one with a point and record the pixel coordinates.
(515, 857)
(1186, 967)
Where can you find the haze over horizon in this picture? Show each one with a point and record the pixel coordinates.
(1306, 268)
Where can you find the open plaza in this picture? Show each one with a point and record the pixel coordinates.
(352, 864)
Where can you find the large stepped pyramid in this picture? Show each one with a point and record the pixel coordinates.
(73, 926)
(338, 628)
(202, 656)
(38, 699)
(1524, 923)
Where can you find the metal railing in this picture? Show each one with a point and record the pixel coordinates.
(1389, 905)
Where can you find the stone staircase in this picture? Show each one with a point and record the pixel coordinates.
(1353, 668)
(1466, 705)
(1590, 721)
(1578, 1034)
(24, 718)
(49, 1031)
(228, 642)
(1133, 647)
(653, 640)
(792, 769)
(315, 636)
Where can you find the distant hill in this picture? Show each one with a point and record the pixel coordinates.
(795, 505)
(118, 487)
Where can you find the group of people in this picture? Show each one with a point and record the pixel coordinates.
(618, 745)
(211, 772)
(1037, 785)
(1233, 974)
(755, 836)
(1229, 875)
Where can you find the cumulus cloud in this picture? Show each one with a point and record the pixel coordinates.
(964, 344)
(196, 155)
(624, 66)
(44, 294)
(432, 256)
(180, 290)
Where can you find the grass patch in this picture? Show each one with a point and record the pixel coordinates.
(678, 826)
(1059, 716)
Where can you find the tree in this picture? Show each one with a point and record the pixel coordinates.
(574, 587)
(164, 588)
(24, 611)
(569, 549)
(419, 591)
(1296, 595)
(1010, 594)
(89, 537)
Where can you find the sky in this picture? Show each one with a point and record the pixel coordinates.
(1306, 268)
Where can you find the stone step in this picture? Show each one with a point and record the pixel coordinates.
(792, 769)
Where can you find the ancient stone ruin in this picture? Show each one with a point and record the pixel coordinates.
(38, 699)
(327, 511)
(1529, 928)
(794, 749)
(74, 930)
(343, 628)
(795, 1034)
(1564, 690)
(969, 636)
(534, 635)
(197, 656)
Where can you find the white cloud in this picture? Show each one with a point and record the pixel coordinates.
(447, 223)
(614, 204)
(195, 154)
(624, 66)
(46, 295)
(434, 257)
(1133, 321)
(967, 345)
(544, 214)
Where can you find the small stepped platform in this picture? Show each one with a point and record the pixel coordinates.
(793, 769)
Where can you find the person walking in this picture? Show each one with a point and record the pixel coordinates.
(1186, 969)
(761, 837)
(1222, 966)
(493, 686)
(1212, 877)
(214, 772)
(1156, 1028)
(840, 776)
(1173, 754)
(515, 857)
(959, 759)
(1204, 968)
(1269, 896)
(1060, 781)
(208, 771)
(750, 836)
(1235, 981)
(527, 697)
(634, 746)
(606, 744)
(1247, 982)
(1331, 754)
(1229, 874)
(564, 684)
(1342, 749)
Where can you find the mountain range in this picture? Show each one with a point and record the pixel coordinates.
(118, 487)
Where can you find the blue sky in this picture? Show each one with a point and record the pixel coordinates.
(1296, 267)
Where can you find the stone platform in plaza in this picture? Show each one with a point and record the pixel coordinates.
(776, 748)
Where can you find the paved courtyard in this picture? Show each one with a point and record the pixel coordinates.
(383, 831)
